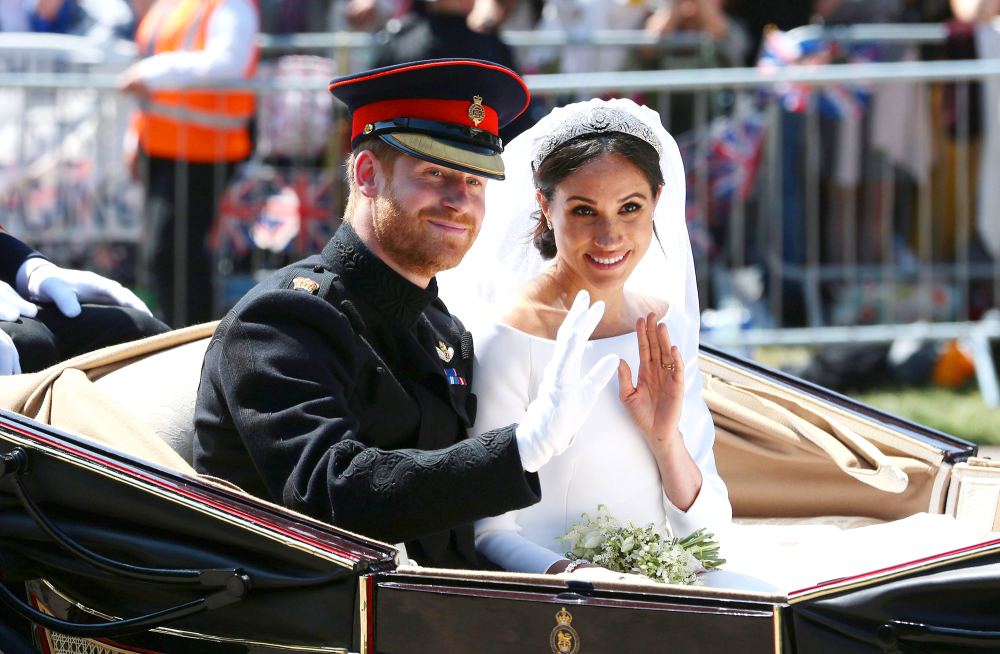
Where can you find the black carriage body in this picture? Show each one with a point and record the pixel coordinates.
(309, 587)
(297, 578)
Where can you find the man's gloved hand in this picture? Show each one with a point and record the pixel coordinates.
(67, 289)
(13, 306)
(10, 361)
(565, 397)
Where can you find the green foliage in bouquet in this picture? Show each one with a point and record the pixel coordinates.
(603, 541)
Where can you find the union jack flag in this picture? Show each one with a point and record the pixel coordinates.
(238, 210)
(736, 144)
(782, 49)
(287, 212)
(315, 189)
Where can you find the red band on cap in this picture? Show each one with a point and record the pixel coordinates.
(455, 112)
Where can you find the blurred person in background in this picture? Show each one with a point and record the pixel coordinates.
(13, 16)
(446, 29)
(708, 17)
(48, 313)
(184, 145)
(727, 44)
(98, 19)
(758, 15)
(583, 16)
(433, 29)
(975, 34)
(294, 16)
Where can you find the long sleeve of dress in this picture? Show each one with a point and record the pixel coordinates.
(503, 385)
(711, 509)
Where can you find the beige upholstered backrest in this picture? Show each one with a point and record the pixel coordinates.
(160, 390)
(137, 398)
(783, 454)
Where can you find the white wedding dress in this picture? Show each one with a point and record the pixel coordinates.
(609, 462)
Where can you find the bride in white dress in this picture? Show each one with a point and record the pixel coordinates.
(609, 209)
(610, 221)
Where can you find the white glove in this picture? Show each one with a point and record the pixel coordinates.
(10, 361)
(47, 282)
(13, 306)
(564, 396)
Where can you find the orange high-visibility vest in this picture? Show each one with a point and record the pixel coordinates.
(197, 126)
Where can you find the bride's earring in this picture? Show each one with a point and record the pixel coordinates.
(548, 223)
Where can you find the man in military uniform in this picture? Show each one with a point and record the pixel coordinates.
(340, 386)
(35, 336)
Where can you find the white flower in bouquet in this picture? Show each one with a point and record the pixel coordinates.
(603, 541)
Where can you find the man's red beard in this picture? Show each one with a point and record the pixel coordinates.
(413, 244)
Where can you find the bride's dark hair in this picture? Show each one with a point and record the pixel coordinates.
(572, 155)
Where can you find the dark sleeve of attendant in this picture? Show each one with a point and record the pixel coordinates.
(12, 254)
(290, 363)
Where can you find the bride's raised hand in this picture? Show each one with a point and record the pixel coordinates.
(655, 401)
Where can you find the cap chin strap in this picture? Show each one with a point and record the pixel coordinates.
(456, 133)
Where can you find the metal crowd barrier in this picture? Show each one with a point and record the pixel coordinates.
(791, 246)
(331, 42)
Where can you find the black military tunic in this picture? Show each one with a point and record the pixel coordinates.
(12, 254)
(338, 388)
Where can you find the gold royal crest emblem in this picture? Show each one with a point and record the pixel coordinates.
(476, 110)
(564, 639)
(305, 284)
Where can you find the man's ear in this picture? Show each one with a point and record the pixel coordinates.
(367, 174)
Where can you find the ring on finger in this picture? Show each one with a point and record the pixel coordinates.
(668, 366)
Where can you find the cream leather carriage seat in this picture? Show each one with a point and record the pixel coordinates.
(161, 390)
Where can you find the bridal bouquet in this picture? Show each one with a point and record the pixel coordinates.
(603, 541)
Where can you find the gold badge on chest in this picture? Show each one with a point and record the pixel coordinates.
(445, 351)
(310, 286)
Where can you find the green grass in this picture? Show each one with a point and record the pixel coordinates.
(957, 412)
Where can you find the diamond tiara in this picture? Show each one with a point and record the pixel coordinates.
(598, 120)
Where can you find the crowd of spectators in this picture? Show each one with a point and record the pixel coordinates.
(725, 33)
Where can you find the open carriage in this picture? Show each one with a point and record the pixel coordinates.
(120, 547)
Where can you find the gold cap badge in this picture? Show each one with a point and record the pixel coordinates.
(445, 352)
(476, 110)
(305, 284)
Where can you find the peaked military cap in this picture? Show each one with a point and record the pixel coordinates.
(446, 111)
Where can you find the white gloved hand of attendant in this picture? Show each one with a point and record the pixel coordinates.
(13, 306)
(67, 289)
(565, 396)
(10, 360)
